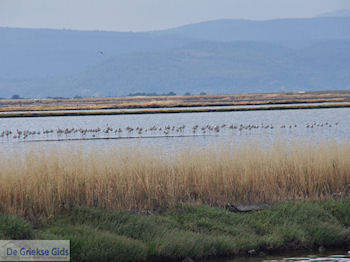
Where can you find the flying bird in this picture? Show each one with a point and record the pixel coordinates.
(100, 52)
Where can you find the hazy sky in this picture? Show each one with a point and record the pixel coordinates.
(143, 15)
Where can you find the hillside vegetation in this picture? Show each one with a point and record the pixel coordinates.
(224, 56)
(239, 67)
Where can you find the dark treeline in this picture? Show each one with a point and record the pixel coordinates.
(151, 94)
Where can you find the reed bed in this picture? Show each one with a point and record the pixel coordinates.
(41, 182)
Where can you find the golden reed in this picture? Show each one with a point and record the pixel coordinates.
(40, 182)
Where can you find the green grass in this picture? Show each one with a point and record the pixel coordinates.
(88, 243)
(12, 227)
(189, 231)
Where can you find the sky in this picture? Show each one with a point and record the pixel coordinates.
(148, 15)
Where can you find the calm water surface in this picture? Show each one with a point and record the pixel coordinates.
(166, 130)
(343, 256)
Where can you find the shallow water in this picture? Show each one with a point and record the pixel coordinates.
(342, 255)
(163, 129)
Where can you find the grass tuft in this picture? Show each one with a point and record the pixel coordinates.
(13, 227)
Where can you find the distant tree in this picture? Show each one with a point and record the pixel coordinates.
(202, 93)
(56, 97)
(171, 94)
(16, 97)
(77, 97)
(187, 94)
(143, 94)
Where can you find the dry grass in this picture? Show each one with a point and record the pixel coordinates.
(40, 183)
(172, 110)
(173, 101)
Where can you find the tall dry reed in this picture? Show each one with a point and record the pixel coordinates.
(41, 182)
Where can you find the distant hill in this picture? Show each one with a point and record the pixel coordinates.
(238, 67)
(221, 56)
(288, 32)
(340, 12)
(44, 52)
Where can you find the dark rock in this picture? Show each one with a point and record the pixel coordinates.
(252, 252)
(321, 249)
(188, 259)
(233, 208)
(246, 208)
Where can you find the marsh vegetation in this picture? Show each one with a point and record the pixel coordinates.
(98, 234)
(40, 183)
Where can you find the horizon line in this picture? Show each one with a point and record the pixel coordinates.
(170, 28)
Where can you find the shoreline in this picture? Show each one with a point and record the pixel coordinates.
(191, 231)
(175, 110)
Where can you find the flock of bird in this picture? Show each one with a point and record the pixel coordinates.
(168, 130)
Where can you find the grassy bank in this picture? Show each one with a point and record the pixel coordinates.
(40, 183)
(189, 231)
(173, 110)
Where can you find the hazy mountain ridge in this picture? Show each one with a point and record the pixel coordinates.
(48, 52)
(224, 56)
(212, 68)
(288, 32)
(336, 13)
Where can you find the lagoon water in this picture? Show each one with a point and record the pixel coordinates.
(167, 130)
(295, 256)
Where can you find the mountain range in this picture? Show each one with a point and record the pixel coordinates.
(222, 56)
(340, 12)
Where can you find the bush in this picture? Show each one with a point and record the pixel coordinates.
(16, 97)
(14, 228)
